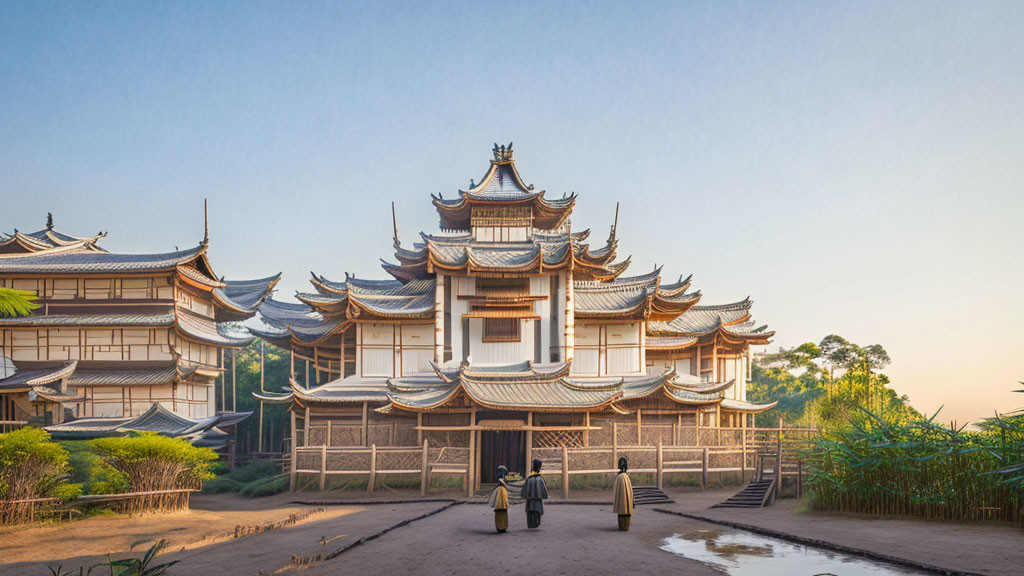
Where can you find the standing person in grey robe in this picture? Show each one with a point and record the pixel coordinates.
(535, 491)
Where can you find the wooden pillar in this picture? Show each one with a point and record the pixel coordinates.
(565, 472)
(704, 469)
(341, 372)
(373, 468)
(778, 459)
(661, 464)
(615, 444)
(529, 442)
(363, 435)
(743, 444)
(305, 428)
(306, 381)
(714, 360)
(327, 439)
(291, 371)
(419, 427)
(697, 416)
(259, 442)
(234, 385)
(294, 455)
(586, 432)
(424, 477)
(439, 287)
(223, 392)
(471, 460)
(639, 430)
(323, 467)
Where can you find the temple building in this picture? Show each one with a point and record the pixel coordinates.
(119, 341)
(509, 331)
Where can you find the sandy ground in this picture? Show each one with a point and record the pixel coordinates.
(573, 538)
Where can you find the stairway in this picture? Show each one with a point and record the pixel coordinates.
(757, 494)
(649, 495)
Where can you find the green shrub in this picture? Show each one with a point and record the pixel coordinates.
(153, 462)
(222, 485)
(31, 466)
(89, 470)
(265, 487)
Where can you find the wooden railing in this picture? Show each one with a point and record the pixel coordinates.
(754, 452)
(11, 425)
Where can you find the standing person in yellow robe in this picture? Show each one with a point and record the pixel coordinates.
(498, 500)
(623, 503)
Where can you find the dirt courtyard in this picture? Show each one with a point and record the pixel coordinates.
(443, 538)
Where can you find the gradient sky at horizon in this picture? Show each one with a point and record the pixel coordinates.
(857, 168)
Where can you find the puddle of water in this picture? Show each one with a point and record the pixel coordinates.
(738, 553)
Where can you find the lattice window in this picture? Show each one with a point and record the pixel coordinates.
(559, 438)
(502, 330)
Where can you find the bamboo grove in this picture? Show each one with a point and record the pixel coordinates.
(921, 468)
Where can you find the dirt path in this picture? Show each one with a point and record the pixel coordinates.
(28, 549)
(573, 539)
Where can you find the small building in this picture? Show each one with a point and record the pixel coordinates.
(119, 341)
(506, 334)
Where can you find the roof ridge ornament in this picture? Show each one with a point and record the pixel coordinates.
(49, 220)
(502, 153)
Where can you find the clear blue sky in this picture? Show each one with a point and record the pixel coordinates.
(857, 168)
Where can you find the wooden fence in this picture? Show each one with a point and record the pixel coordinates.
(748, 454)
(11, 425)
(32, 509)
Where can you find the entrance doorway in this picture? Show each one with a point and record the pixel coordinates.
(501, 448)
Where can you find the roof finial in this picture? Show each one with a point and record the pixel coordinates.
(49, 221)
(615, 223)
(394, 222)
(502, 153)
(206, 223)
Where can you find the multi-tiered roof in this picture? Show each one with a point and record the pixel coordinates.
(601, 294)
(49, 254)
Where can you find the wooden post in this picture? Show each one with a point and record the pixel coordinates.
(586, 433)
(373, 468)
(799, 478)
(323, 467)
(529, 442)
(470, 461)
(307, 374)
(260, 441)
(419, 427)
(327, 440)
(363, 435)
(639, 430)
(293, 475)
(661, 462)
(743, 451)
(704, 469)
(223, 382)
(778, 459)
(615, 444)
(423, 469)
(696, 431)
(565, 472)
(305, 428)
(234, 387)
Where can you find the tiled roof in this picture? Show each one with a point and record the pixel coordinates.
(42, 377)
(128, 377)
(204, 329)
(159, 318)
(70, 261)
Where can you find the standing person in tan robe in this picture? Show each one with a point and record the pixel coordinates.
(498, 500)
(623, 503)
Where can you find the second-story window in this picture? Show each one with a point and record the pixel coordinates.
(501, 330)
